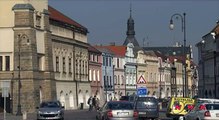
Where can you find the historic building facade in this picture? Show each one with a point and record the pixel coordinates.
(70, 60)
(46, 57)
(118, 62)
(29, 39)
(208, 48)
(95, 72)
(107, 72)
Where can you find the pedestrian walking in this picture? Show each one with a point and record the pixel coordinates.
(94, 101)
(89, 102)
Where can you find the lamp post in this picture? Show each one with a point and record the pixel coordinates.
(20, 38)
(203, 67)
(215, 75)
(183, 19)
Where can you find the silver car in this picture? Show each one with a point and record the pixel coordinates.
(50, 110)
(117, 110)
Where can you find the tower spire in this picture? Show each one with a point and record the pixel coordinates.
(130, 30)
(130, 10)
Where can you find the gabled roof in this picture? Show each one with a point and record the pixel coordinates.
(117, 50)
(58, 16)
(104, 49)
(93, 49)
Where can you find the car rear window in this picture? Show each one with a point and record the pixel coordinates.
(212, 106)
(120, 105)
(141, 104)
(147, 99)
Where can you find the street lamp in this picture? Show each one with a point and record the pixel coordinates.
(215, 77)
(20, 38)
(183, 19)
(203, 66)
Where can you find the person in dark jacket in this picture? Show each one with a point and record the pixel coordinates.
(94, 101)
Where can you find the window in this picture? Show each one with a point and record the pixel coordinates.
(90, 75)
(1, 62)
(64, 67)
(115, 79)
(107, 81)
(7, 63)
(86, 68)
(97, 58)
(110, 81)
(69, 67)
(57, 64)
(90, 56)
(104, 62)
(119, 82)
(98, 75)
(110, 60)
(117, 63)
(76, 66)
(94, 58)
(94, 75)
(104, 78)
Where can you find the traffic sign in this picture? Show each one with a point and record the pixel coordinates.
(141, 80)
(142, 91)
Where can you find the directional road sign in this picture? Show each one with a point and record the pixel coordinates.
(142, 91)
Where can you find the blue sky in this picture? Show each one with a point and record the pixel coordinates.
(106, 20)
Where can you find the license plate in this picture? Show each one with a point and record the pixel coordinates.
(123, 113)
(217, 114)
(142, 113)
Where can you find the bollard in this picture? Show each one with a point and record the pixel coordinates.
(24, 115)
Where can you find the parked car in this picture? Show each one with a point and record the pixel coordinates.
(147, 107)
(114, 110)
(204, 111)
(50, 110)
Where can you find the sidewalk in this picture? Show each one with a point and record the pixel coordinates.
(9, 116)
(30, 116)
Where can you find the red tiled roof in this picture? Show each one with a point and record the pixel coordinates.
(117, 50)
(56, 15)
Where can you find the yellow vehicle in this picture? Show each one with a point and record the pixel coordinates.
(179, 106)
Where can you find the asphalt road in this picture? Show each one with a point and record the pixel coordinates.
(70, 115)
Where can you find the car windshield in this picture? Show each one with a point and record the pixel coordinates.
(49, 105)
(120, 106)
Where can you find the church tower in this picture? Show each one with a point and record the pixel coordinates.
(130, 31)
